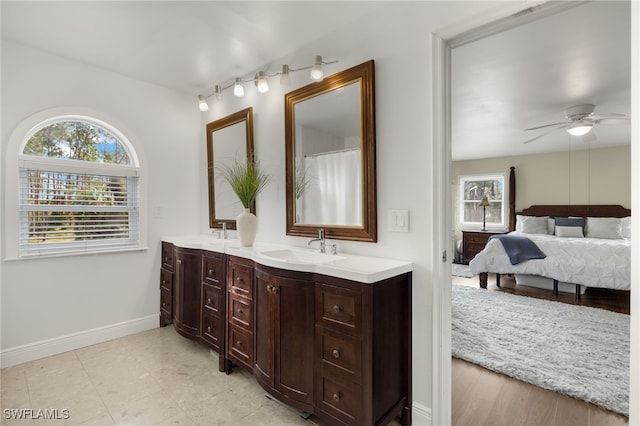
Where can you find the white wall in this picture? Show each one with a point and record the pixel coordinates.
(45, 299)
(597, 176)
(397, 37)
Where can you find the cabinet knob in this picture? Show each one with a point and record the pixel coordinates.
(210, 271)
(240, 311)
(336, 353)
(238, 343)
(164, 304)
(336, 309)
(337, 396)
(209, 329)
(179, 262)
(274, 289)
(164, 282)
(209, 301)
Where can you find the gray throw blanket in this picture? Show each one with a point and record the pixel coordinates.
(519, 248)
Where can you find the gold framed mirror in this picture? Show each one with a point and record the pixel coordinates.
(228, 139)
(331, 156)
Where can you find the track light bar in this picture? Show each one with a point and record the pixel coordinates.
(261, 80)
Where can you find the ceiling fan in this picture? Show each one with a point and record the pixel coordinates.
(582, 119)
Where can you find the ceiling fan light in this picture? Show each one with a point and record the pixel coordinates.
(579, 129)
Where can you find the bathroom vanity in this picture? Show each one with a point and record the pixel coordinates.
(328, 335)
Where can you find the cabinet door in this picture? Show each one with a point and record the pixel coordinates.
(294, 332)
(187, 292)
(264, 329)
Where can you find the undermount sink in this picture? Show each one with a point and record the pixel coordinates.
(300, 257)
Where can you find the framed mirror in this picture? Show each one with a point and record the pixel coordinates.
(228, 139)
(331, 156)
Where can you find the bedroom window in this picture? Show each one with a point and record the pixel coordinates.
(471, 189)
(78, 189)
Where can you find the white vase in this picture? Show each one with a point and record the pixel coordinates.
(246, 224)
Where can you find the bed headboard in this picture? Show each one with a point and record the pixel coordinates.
(561, 210)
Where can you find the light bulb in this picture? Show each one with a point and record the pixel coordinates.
(202, 103)
(238, 90)
(262, 83)
(284, 76)
(316, 70)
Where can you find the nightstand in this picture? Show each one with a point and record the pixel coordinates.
(473, 242)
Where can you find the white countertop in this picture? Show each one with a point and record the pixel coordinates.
(364, 269)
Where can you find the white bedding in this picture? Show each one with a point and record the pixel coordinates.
(593, 262)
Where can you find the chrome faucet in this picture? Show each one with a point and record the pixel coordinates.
(224, 230)
(321, 239)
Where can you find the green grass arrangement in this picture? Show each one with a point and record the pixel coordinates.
(246, 180)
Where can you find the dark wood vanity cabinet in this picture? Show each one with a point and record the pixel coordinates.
(240, 325)
(213, 303)
(166, 284)
(284, 335)
(187, 292)
(363, 350)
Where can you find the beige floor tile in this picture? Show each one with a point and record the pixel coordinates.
(105, 420)
(154, 409)
(13, 389)
(56, 364)
(271, 416)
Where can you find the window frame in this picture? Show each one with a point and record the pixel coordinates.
(131, 171)
(462, 179)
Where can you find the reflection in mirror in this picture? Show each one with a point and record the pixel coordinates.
(329, 176)
(330, 149)
(228, 139)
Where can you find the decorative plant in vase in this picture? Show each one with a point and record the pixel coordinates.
(247, 180)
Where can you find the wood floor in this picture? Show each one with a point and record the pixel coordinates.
(482, 397)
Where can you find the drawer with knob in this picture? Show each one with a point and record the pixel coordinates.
(211, 298)
(341, 355)
(240, 312)
(165, 302)
(213, 268)
(212, 330)
(339, 308)
(339, 399)
(166, 279)
(240, 279)
(240, 346)
(167, 256)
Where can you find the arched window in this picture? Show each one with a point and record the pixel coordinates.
(78, 188)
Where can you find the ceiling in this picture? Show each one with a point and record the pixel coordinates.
(501, 84)
(526, 76)
(189, 46)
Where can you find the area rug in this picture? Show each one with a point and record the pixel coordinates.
(578, 351)
(458, 270)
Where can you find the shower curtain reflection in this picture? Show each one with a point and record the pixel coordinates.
(334, 191)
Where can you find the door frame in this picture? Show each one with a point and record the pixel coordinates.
(442, 41)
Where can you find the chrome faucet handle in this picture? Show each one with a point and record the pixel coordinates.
(321, 234)
(334, 248)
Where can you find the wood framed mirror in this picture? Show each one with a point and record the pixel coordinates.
(228, 139)
(331, 156)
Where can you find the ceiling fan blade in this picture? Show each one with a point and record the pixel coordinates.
(618, 120)
(604, 115)
(547, 125)
(564, 126)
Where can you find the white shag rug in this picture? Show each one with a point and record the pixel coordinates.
(458, 270)
(578, 351)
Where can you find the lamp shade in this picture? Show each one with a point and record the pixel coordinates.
(579, 128)
(484, 202)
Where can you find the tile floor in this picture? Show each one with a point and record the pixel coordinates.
(153, 378)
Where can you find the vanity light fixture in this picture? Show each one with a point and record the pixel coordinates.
(202, 103)
(238, 90)
(261, 80)
(317, 74)
(579, 128)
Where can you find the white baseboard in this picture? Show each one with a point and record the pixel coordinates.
(69, 342)
(420, 415)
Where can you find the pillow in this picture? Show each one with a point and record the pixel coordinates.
(625, 222)
(569, 231)
(532, 224)
(551, 226)
(604, 227)
(562, 223)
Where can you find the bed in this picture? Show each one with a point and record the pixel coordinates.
(583, 246)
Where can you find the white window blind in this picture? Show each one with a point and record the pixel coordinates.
(67, 211)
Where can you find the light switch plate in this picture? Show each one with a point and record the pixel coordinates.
(398, 220)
